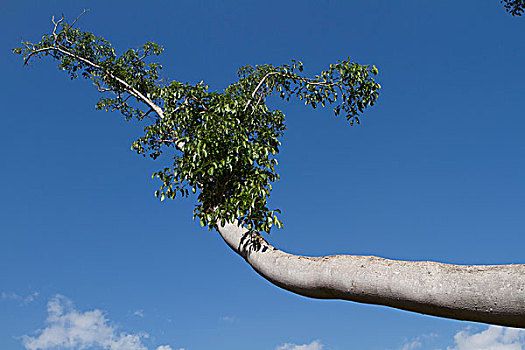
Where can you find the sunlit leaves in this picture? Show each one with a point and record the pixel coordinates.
(221, 146)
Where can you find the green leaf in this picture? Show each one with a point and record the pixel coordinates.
(230, 138)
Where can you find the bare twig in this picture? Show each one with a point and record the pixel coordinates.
(146, 113)
(56, 25)
(83, 12)
(101, 89)
(127, 98)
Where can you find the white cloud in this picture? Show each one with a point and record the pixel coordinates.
(23, 300)
(167, 347)
(417, 342)
(412, 344)
(315, 345)
(139, 313)
(493, 338)
(68, 328)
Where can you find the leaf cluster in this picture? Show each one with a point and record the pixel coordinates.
(224, 144)
(514, 7)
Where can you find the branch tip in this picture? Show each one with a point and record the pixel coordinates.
(76, 19)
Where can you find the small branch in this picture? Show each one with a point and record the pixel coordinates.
(127, 98)
(145, 114)
(56, 25)
(131, 90)
(83, 12)
(310, 82)
(257, 88)
(257, 104)
(306, 80)
(165, 140)
(101, 89)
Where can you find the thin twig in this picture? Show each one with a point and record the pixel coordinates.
(83, 12)
(101, 89)
(56, 25)
(127, 98)
(145, 114)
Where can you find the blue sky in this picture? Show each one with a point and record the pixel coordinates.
(434, 172)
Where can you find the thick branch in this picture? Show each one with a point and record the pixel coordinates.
(492, 294)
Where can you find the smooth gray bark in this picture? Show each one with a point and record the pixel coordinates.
(492, 294)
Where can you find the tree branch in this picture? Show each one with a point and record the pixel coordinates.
(254, 92)
(130, 89)
(56, 24)
(145, 114)
(308, 81)
(78, 17)
(493, 294)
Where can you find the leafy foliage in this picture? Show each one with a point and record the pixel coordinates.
(514, 7)
(225, 143)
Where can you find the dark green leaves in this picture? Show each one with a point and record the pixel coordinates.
(221, 146)
(514, 7)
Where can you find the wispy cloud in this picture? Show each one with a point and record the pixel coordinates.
(412, 344)
(417, 342)
(493, 338)
(229, 319)
(315, 345)
(139, 313)
(67, 328)
(20, 298)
